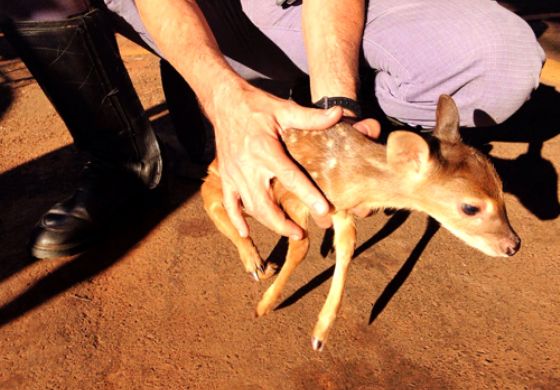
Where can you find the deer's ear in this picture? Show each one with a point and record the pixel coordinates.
(407, 152)
(447, 120)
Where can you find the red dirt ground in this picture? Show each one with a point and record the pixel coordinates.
(166, 304)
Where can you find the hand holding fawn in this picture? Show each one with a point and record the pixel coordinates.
(440, 176)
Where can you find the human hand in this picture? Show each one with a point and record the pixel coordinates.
(248, 123)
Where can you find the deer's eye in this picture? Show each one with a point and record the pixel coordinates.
(469, 209)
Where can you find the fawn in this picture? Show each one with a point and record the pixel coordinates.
(440, 176)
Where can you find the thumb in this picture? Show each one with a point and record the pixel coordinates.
(369, 127)
(303, 118)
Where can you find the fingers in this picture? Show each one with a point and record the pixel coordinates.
(322, 221)
(297, 183)
(232, 204)
(247, 185)
(295, 116)
(275, 219)
(369, 127)
(362, 212)
(260, 205)
(302, 118)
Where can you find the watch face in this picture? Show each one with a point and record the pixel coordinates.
(344, 102)
(285, 2)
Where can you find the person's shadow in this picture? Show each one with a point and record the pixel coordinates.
(31, 188)
(530, 177)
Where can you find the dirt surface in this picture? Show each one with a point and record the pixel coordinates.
(165, 302)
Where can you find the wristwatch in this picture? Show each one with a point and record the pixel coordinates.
(285, 3)
(344, 102)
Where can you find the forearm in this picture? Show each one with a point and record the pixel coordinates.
(185, 39)
(333, 46)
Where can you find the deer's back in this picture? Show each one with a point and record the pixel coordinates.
(337, 160)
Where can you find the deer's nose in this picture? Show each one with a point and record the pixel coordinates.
(511, 245)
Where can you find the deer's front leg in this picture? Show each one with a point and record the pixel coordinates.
(344, 243)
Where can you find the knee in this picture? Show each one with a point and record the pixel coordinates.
(511, 64)
(489, 63)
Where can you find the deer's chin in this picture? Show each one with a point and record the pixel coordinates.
(483, 246)
(481, 243)
(488, 250)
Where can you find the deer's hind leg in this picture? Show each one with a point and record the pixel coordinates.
(213, 204)
(297, 250)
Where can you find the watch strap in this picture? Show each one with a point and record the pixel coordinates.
(344, 102)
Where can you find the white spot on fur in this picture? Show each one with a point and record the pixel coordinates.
(330, 143)
(314, 174)
(347, 147)
(331, 163)
(376, 163)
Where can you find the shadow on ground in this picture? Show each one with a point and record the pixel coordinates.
(30, 189)
(530, 177)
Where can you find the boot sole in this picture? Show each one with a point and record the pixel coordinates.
(45, 253)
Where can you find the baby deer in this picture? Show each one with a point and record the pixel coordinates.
(440, 176)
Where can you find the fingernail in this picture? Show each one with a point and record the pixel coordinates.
(331, 110)
(320, 208)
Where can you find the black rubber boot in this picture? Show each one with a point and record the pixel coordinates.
(77, 64)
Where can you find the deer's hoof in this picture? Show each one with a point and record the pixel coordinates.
(317, 344)
(268, 270)
(262, 309)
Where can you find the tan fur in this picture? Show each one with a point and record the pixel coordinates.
(437, 177)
